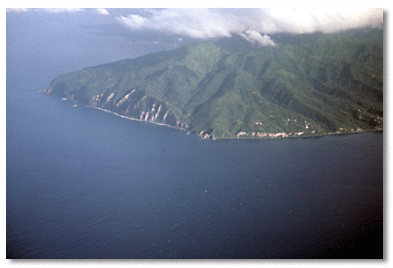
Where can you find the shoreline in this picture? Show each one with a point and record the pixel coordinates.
(302, 136)
(235, 138)
(135, 119)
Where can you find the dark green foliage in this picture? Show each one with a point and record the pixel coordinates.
(309, 84)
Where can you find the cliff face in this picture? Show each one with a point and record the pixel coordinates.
(135, 104)
(306, 85)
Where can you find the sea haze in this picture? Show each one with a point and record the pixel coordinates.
(83, 183)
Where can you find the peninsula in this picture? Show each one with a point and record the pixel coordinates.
(304, 85)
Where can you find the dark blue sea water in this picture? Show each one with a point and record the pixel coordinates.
(82, 183)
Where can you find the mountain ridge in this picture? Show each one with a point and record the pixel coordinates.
(306, 85)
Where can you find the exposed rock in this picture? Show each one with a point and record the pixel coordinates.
(320, 87)
(125, 98)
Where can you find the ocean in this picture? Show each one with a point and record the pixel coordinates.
(86, 184)
(82, 183)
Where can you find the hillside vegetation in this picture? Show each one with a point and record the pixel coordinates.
(309, 84)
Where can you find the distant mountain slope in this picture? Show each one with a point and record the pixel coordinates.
(309, 84)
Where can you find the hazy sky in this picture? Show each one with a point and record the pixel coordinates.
(255, 24)
(75, 38)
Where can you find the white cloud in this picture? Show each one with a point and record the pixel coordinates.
(102, 11)
(252, 24)
(332, 23)
(134, 21)
(256, 38)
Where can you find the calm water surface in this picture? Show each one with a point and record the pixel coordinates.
(82, 183)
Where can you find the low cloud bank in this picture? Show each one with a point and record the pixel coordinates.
(252, 24)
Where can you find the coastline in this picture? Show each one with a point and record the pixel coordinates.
(302, 136)
(267, 136)
(134, 119)
(238, 138)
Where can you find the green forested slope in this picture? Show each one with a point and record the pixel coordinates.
(309, 84)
